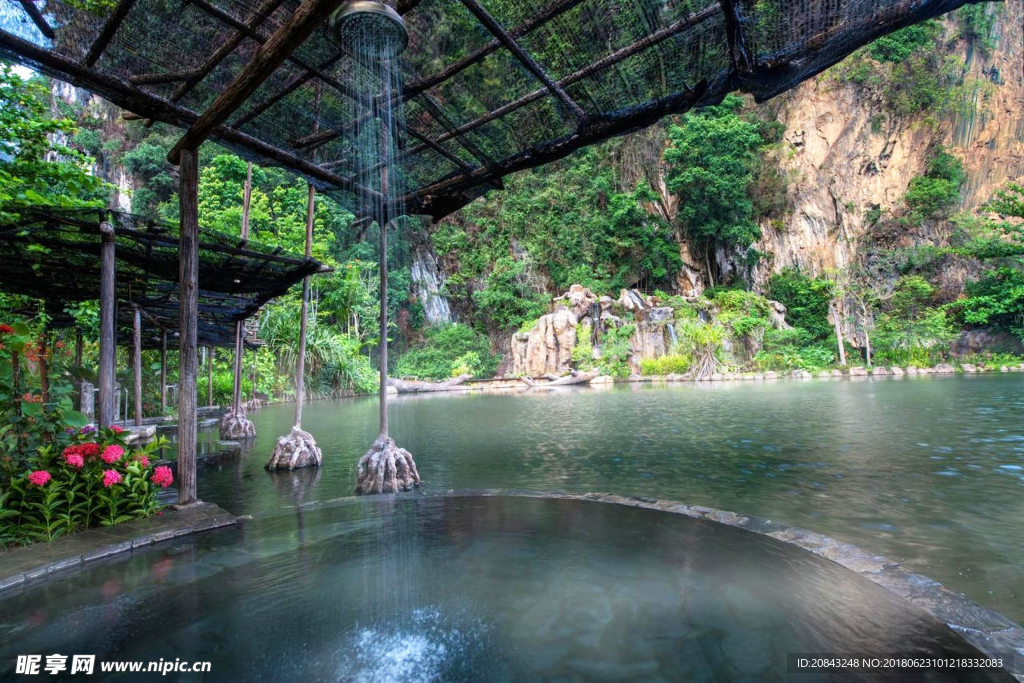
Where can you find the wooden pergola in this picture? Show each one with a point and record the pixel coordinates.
(511, 85)
(130, 265)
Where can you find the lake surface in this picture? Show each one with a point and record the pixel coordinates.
(928, 471)
(477, 589)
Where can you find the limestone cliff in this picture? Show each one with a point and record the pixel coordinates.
(847, 154)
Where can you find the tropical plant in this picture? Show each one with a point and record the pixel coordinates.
(703, 342)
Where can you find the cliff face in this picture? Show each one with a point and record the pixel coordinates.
(847, 154)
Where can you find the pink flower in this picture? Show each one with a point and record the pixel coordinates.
(6, 329)
(89, 450)
(116, 429)
(39, 477)
(111, 477)
(75, 460)
(111, 454)
(142, 459)
(162, 476)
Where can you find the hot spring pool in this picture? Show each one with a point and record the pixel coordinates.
(476, 589)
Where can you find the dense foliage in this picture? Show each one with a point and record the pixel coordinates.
(448, 351)
(34, 169)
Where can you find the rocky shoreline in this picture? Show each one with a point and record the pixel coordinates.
(855, 371)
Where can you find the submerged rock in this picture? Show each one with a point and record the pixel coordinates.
(967, 367)
(944, 368)
(896, 370)
(858, 371)
(880, 370)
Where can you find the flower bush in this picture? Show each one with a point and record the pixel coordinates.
(93, 480)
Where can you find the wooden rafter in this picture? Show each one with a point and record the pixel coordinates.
(307, 18)
(264, 10)
(108, 31)
(614, 58)
(531, 65)
(38, 19)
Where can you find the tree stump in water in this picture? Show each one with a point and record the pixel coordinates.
(386, 468)
(253, 404)
(236, 426)
(295, 450)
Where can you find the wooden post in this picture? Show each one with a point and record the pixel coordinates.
(163, 373)
(108, 349)
(78, 367)
(44, 365)
(300, 371)
(137, 363)
(236, 397)
(211, 354)
(188, 276)
(382, 345)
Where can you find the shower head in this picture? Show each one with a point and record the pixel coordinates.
(369, 29)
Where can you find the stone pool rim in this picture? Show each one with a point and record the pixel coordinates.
(989, 632)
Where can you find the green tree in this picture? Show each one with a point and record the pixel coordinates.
(711, 159)
(35, 170)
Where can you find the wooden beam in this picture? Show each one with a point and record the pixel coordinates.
(300, 369)
(38, 19)
(188, 299)
(163, 77)
(137, 362)
(108, 312)
(211, 354)
(108, 31)
(306, 19)
(531, 65)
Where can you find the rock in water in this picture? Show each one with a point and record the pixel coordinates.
(295, 450)
(236, 426)
(386, 468)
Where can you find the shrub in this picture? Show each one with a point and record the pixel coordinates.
(673, 363)
(96, 480)
(703, 341)
(449, 351)
(616, 349)
(806, 300)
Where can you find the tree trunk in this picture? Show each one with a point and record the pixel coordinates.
(413, 387)
(839, 334)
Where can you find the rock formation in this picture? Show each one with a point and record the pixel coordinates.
(547, 348)
(295, 450)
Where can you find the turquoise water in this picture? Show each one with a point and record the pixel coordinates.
(475, 589)
(928, 471)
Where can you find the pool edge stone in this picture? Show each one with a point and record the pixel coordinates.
(38, 561)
